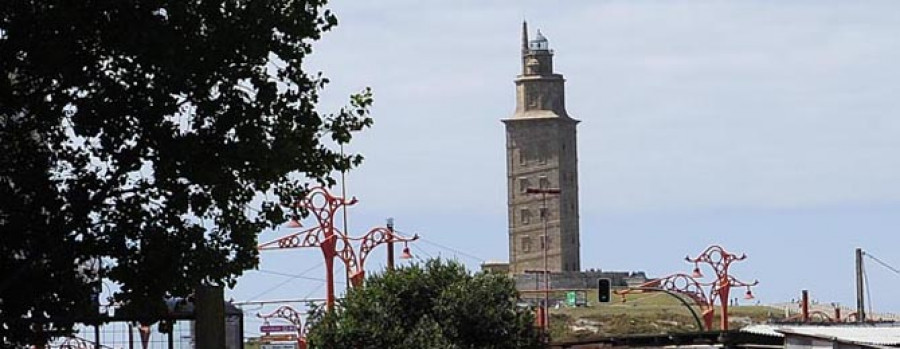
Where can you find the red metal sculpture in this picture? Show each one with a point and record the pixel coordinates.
(689, 285)
(720, 260)
(333, 242)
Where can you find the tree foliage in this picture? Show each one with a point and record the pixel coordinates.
(435, 305)
(158, 136)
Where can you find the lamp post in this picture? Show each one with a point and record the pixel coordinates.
(720, 260)
(545, 243)
(332, 241)
(691, 286)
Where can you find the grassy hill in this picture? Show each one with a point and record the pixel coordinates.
(648, 313)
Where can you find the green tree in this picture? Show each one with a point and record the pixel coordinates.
(158, 136)
(435, 305)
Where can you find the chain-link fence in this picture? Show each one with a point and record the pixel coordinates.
(174, 334)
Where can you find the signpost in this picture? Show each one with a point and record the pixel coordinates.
(571, 298)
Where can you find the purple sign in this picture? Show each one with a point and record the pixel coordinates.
(277, 328)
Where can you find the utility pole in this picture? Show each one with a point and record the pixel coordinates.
(390, 244)
(860, 290)
(545, 244)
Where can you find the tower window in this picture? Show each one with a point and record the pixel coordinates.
(525, 216)
(524, 183)
(526, 244)
(544, 182)
(545, 152)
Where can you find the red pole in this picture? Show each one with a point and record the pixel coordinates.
(804, 305)
(329, 253)
(723, 297)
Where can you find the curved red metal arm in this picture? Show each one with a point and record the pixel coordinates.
(678, 283)
(722, 287)
(717, 258)
(369, 241)
(286, 313)
(378, 236)
(344, 251)
(323, 205)
(312, 237)
(734, 282)
(682, 284)
(686, 285)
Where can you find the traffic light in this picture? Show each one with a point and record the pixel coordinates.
(603, 289)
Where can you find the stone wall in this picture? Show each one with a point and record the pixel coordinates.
(579, 280)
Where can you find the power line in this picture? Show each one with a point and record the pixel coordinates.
(285, 282)
(448, 248)
(889, 267)
(423, 251)
(295, 276)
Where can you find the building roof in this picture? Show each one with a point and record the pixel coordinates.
(883, 334)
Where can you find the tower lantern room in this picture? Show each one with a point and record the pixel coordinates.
(537, 57)
(539, 43)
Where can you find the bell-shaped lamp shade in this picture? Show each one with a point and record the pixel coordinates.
(697, 273)
(749, 294)
(406, 254)
(294, 223)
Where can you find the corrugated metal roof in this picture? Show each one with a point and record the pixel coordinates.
(856, 334)
(763, 329)
(867, 334)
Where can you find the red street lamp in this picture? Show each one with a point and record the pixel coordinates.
(720, 260)
(748, 294)
(335, 243)
(697, 274)
(406, 254)
(690, 286)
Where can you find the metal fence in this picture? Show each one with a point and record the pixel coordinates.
(124, 335)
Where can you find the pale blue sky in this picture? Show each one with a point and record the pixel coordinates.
(768, 126)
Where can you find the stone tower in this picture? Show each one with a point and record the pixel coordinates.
(540, 153)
